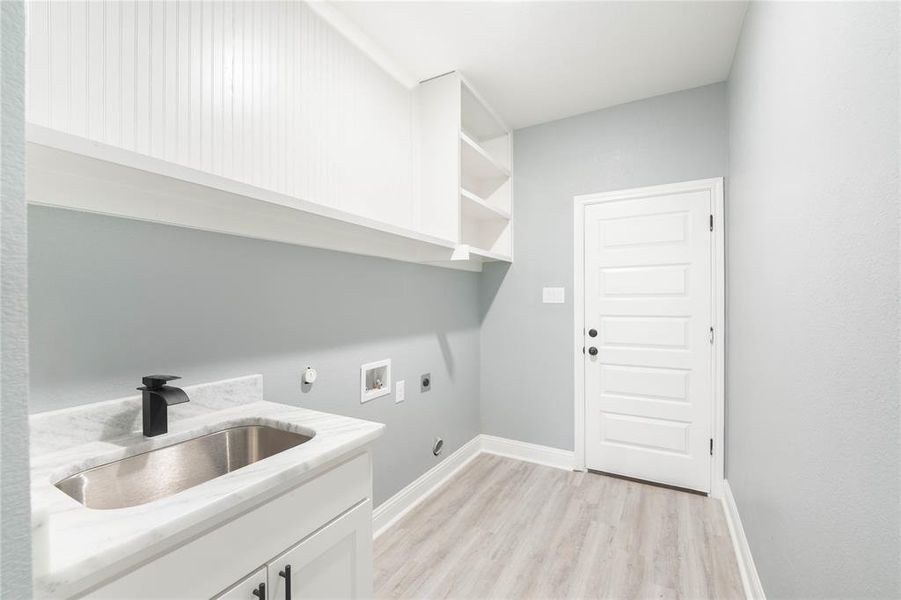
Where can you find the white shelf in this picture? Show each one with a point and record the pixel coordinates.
(478, 119)
(488, 256)
(477, 163)
(71, 172)
(467, 252)
(474, 207)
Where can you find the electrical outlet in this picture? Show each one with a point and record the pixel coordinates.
(399, 392)
(425, 382)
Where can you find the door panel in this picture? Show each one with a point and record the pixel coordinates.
(633, 282)
(645, 332)
(648, 294)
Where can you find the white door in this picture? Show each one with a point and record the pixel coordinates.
(335, 562)
(648, 317)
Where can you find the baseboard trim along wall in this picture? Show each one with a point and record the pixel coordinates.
(533, 453)
(749, 578)
(391, 510)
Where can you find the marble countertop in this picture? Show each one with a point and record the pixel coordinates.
(77, 547)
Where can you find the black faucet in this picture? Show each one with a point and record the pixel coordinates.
(157, 398)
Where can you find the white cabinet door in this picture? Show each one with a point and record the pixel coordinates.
(244, 589)
(334, 562)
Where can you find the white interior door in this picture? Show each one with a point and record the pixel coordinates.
(648, 317)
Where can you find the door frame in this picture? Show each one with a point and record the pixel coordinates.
(715, 187)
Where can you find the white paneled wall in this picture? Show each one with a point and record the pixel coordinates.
(266, 93)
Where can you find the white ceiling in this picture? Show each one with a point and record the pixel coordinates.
(536, 61)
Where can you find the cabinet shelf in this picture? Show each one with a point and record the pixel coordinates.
(478, 164)
(474, 207)
(468, 252)
(67, 171)
(488, 255)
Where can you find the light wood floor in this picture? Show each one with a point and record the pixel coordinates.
(503, 528)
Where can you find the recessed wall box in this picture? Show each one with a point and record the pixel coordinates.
(375, 380)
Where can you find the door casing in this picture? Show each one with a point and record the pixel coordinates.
(715, 187)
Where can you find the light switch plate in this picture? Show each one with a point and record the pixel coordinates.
(553, 295)
(399, 392)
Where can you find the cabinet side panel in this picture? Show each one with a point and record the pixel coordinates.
(438, 107)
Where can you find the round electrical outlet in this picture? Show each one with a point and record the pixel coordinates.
(437, 446)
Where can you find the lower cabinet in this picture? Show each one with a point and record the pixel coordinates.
(314, 541)
(334, 562)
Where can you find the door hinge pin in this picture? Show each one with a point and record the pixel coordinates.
(711, 222)
(711, 446)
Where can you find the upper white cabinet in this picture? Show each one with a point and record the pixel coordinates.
(264, 93)
(256, 119)
(465, 179)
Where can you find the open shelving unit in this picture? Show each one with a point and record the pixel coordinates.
(466, 190)
(486, 202)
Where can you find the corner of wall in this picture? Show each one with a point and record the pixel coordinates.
(15, 506)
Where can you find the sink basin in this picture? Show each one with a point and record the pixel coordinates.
(165, 471)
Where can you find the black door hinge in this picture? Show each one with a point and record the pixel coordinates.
(711, 446)
(711, 222)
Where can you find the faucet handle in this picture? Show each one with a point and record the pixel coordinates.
(155, 382)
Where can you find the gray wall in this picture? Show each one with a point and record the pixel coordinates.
(113, 299)
(671, 138)
(15, 507)
(812, 431)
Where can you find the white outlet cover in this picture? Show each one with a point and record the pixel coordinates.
(399, 392)
(553, 295)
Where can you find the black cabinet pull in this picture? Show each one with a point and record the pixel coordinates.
(287, 575)
(260, 592)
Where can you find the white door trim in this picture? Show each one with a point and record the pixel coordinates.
(715, 187)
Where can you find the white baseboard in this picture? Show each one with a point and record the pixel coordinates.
(391, 510)
(749, 578)
(533, 453)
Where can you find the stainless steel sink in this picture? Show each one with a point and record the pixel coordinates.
(165, 471)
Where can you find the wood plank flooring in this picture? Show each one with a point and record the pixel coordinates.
(502, 528)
